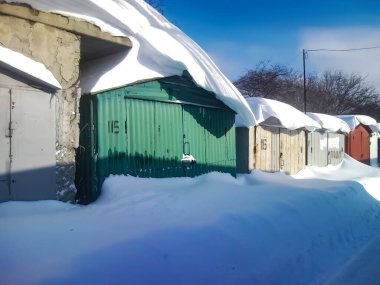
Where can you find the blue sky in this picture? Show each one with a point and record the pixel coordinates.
(238, 34)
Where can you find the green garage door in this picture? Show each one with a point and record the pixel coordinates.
(145, 138)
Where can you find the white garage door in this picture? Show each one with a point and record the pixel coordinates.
(27, 144)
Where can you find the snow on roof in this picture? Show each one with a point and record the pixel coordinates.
(330, 123)
(159, 49)
(288, 116)
(27, 67)
(375, 128)
(355, 120)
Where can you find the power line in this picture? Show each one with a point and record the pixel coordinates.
(351, 49)
(304, 56)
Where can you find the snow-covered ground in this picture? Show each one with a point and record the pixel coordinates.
(260, 228)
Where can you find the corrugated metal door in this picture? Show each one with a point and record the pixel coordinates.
(267, 148)
(112, 138)
(285, 151)
(301, 155)
(4, 144)
(292, 150)
(373, 150)
(220, 140)
(168, 139)
(32, 145)
(216, 145)
(317, 149)
(194, 142)
(358, 144)
(335, 145)
(141, 130)
(122, 135)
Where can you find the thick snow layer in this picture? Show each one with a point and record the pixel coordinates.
(27, 67)
(349, 169)
(288, 116)
(260, 228)
(355, 120)
(159, 49)
(375, 129)
(330, 123)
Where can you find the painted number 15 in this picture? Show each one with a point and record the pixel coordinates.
(113, 127)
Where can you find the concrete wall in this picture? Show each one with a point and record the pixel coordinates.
(59, 51)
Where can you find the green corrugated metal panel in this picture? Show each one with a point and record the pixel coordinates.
(183, 89)
(141, 135)
(168, 140)
(220, 140)
(174, 88)
(215, 140)
(194, 139)
(111, 134)
(148, 138)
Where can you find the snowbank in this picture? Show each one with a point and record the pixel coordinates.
(27, 67)
(354, 120)
(260, 228)
(349, 169)
(330, 123)
(159, 49)
(288, 116)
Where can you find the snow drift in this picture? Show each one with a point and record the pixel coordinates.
(260, 228)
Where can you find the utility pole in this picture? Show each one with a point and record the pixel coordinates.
(304, 53)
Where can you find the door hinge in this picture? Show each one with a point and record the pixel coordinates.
(9, 131)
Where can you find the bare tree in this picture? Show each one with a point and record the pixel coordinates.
(273, 81)
(343, 93)
(332, 92)
(266, 80)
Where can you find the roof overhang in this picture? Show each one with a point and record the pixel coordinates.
(95, 43)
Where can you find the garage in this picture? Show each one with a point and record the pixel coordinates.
(167, 127)
(27, 140)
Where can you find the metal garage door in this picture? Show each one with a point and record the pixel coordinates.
(4, 144)
(27, 144)
(292, 150)
(317, 149)
(267, 148)
(373, 150)
(335, 145)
